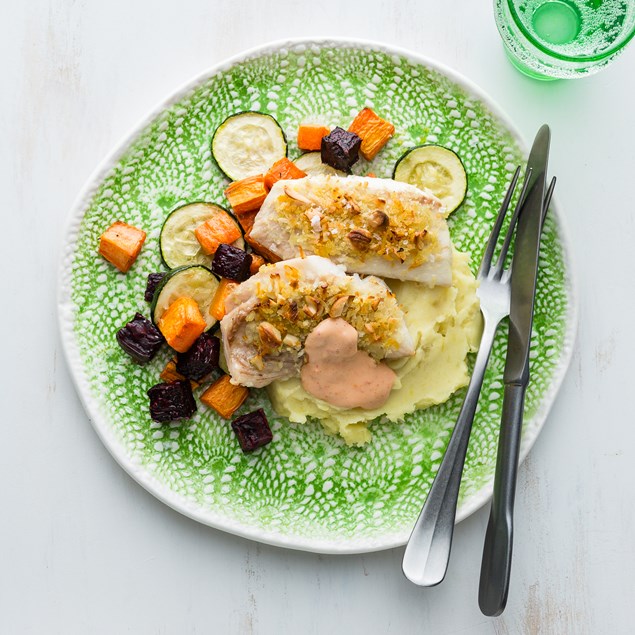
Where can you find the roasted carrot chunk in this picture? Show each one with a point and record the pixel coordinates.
(372, 175)
(310, 137)
(246, 195)
(261, 249)
(373, 131)
(215, 231)
(282, 169)
(224, 397)
(256, 262)
(217, 307)
(182, 323)
(120, 245)
(169, 374)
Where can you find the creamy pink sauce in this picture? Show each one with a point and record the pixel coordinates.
(338, 373)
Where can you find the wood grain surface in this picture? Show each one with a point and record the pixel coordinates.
(84, 549)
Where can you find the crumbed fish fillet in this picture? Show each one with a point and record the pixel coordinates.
(369, 225)
(269, 316)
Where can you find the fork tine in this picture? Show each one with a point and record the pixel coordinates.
(505, 275)
(512, 224)
(493, 238)
(548, 195)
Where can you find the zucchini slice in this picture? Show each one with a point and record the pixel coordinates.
(194, 281)
(248, 143)
(436, 168)
(178, 242)
(311, 163)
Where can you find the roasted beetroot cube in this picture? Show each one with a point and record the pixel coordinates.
(231, 262)
(154, 279)
(171, 401)
(252, 430)
(200, 359)
(340, 149)
(140, 339)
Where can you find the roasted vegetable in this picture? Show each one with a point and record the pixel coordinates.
(180, 244)
(310, 136)
(252, 430)
(437, 169)
(246, 195)
(340, 149)
(140, 339)
(213, 232)
(154, 280)
(231, 263)
(224, 397)
(194, 281)
(312, 164)
(283, 169)
(171, 401)
(217, 307)
(120, 245)
(373, 131)
(247, 143)
(257, 261)
(182, 323)
(247, 220)
(169, 373)
(200, 359)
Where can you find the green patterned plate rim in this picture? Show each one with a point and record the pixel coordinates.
(306, 490)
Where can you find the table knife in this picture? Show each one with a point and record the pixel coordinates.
(497, 551)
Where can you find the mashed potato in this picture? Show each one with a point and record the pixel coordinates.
(445, 323)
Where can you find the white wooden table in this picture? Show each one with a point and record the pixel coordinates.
(83, 549)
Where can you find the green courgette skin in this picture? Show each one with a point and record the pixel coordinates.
(219, 163)
(170, 276)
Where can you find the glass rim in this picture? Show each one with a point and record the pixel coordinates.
(568, 58)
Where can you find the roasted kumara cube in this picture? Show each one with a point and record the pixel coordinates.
(373, 131)
(120, 245)
(182, 323)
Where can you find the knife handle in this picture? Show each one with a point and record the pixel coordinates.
(497, 550)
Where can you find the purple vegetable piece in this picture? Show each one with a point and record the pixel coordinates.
(340, 149)
(252, 430)
(154, 280)
(140, 339)
(200, 359)
(171, 401)
(231, 262)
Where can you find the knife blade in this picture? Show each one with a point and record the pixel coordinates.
(497, 550)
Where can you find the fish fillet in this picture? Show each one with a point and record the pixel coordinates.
(369, 225)
(269, 316)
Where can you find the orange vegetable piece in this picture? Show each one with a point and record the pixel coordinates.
(373, 131)
(283, 169)
(182, 323)
(224, 397)
(217, 307)
(246, 195)
(120, 245)
(247, 219)
(261, 249)
(215, 231)
(169, 373)
(257, 261)
(310, 137)
(372, 175)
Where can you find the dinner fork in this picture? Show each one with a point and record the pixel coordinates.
(425, 560)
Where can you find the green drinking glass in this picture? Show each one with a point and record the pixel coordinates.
(564, 39)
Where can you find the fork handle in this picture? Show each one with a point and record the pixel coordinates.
(425, 560)
(497, 550)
